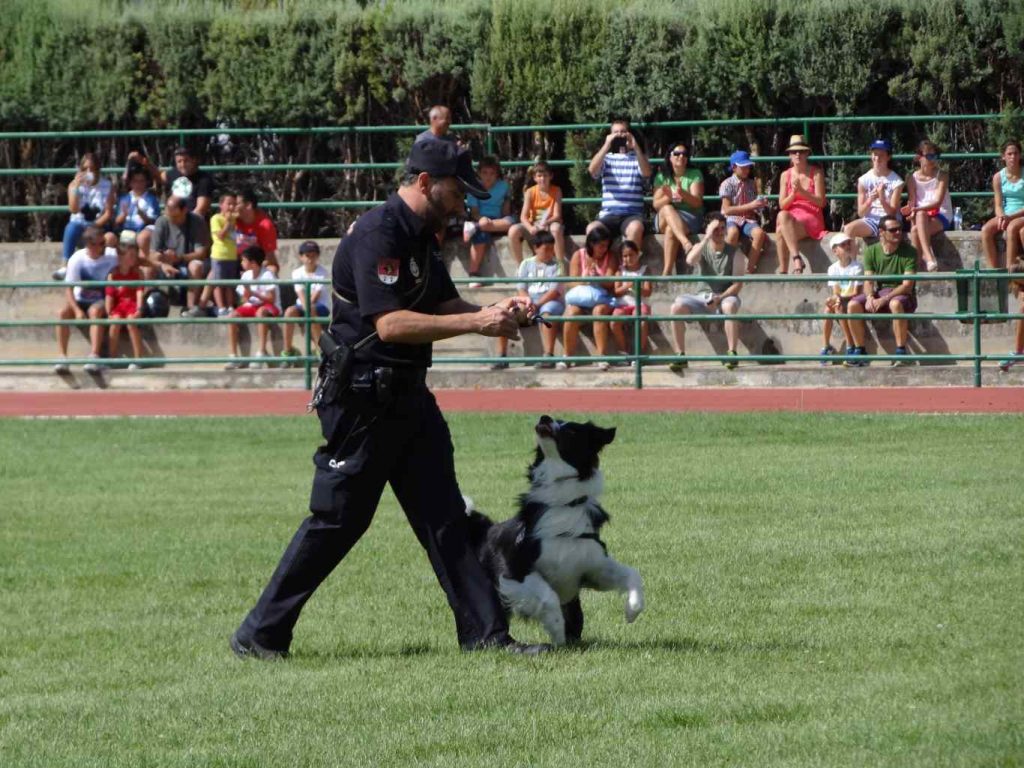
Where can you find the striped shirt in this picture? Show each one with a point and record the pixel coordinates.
(622, 185)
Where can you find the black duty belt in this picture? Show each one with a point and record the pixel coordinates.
(386, 378)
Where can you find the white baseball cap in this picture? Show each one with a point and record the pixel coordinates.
(838, 239)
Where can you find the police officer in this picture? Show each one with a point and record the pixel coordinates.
(393, 298)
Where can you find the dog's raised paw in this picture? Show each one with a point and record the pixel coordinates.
(634, 606)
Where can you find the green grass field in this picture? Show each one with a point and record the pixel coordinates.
(809, 603)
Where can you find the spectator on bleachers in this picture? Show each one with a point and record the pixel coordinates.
(541, 212)
(878, 193)
(713, 258)
(488, 219)
(741, 206)
(440, 120)
(125, 302)
(929, 207)
(678, 203)
(595, 259)
(891, 255)
(623, 169)
(138, 209)
(547, 297)
(181, 245)
(626, 299)
(138, 160)
(94, 261)
(254, 227)
(91, 201)
(224, 253)
(1008, 191)
(186, 180)
(319, 295)
(801, 205)
(843, 287)
(257, 300)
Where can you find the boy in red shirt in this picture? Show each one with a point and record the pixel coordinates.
(125, 302)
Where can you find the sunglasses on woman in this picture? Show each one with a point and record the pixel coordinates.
(679, 153)
(931, 156)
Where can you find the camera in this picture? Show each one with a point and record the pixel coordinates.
(618, 144)
(89, 212)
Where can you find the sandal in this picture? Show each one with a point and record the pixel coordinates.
(798, 265)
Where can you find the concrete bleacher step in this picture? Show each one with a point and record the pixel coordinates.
(22, 262)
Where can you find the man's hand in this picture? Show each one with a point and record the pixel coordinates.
(713, 227)
(169, 270)
(521, 308)
(497, 321)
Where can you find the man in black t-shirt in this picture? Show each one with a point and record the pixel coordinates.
(393, 298)
(185, 180)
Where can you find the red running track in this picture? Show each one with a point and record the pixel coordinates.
(264, 402)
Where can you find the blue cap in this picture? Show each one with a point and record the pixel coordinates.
(740, 159)
(882, 144)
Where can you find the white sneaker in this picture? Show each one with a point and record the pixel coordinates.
(561, 365)
(604, 365)
(1012, 360)
(223, 312)
(932, 266)
(59, 274)
(234, 365)
(92, 367)
(62, 368)
(134, 367)
(259, 363)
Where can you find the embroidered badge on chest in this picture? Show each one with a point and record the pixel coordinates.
(387, 271)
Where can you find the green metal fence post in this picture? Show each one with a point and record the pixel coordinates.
(307, 289)
(976, 309)
(638, 380)
(489, 140)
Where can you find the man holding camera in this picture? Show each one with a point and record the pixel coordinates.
(393, 298)
(623, 169)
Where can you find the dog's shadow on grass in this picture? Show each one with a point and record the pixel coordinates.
(357, 652)
(691, 645)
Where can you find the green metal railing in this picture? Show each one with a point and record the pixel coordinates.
(489, 132)
(639, 360)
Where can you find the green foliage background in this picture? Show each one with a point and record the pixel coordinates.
(102, 64)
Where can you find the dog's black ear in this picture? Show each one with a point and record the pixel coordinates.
(607, 435)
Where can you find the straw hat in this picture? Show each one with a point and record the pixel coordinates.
(798, 143)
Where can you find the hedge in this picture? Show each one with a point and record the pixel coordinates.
(90, 64)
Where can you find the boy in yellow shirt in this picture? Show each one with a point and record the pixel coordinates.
(223, 253)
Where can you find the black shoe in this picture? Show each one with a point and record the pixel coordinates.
(245, 649)
(527, 649)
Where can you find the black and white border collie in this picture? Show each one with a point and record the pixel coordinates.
(542, 558)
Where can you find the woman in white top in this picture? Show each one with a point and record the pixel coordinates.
(928, 207)
(91, 201)
(878, 192)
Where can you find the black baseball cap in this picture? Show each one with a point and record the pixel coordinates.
(309, 246)
(446, 158)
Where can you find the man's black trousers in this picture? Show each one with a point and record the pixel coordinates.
(404, 442)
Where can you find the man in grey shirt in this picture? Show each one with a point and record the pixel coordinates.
(181, 246)
(440, 120)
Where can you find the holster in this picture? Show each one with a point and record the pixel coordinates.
(334, 376)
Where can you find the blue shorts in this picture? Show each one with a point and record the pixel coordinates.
(554, 307)
(588, 297)
(86, 304)
(747, 228)
(693, 222)
(319, 309)
(485, 238)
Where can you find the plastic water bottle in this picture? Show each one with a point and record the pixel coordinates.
(958, 219)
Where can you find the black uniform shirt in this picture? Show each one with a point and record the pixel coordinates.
(199, 184)
(390, 261)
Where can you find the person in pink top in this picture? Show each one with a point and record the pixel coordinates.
(801, 202)
(929, 207)
(595, 259)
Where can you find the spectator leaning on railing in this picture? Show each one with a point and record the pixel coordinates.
(186, 180)
(891, 255)
(623, 169)
(93, 262)
(181, 245)
(91, 202)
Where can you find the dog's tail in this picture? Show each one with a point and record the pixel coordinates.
(479, 523)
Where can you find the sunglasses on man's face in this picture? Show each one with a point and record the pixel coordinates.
(894, 230)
